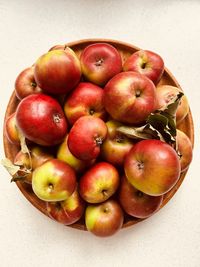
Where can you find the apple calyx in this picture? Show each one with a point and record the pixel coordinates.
(98, 141)
(160, 124)
(56, 118)
(99, 62)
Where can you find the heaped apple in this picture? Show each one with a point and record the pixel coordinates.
(146, 62)
(25, 83)
(100, 62)
(68, 211)
(165, 93)
(152, 166)
(54, 181)
(65, 155)
(137, 203)
(129, 97)
(86, 99)
(184, 149)
(99, 183)
(86, 136)
(57, 71)
(41, 119)
(104, 219)
(38, 155)
(115, 146)
(11, 130)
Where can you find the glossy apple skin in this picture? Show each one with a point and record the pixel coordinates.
(68, 211)
(99, 183)
(184, 149)
(100, 62)
(136, 203)
(41, 119)
(11, 130)
(65, 155)
(116, 146)
(54, 180)
(86, 99)
(167, 92)
(57, 71)
(104, 219)
(129, 97)
(86, 137)
(38, 156)
(25, 83)
(152, 167)
(147, 63)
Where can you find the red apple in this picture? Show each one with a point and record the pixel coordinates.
(86, 137)
(129, 97)
(104, 219)
(137, 203)
(152, 167)
(38, 155)
(99, 183)
(146, 62)
(115, 146)
(11, 130)
(57, 71)
(65, 155)
(68, 211)
(41, 120)
(25, 83)
(184, 150)
(53, 181)
(86, 99)
(100, 62)
(165, 93)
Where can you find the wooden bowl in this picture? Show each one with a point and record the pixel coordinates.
(125, 50)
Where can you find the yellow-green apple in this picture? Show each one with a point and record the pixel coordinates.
(129, 97)
(67, 211)
(57, 71)
(115, 146)
(100, 62)
(137, 203)
(38, 155)
(99, 183)
(104, 219)
(146, 62)
(165, 93)
(11, 130)
(86, 99)
(64, 154)
(41, 119)
(152, 166)
(54, 181)
(25, 83)
(86, 136)
(184, 149)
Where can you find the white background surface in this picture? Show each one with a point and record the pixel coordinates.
(170, 28)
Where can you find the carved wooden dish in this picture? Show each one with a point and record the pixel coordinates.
(125, 50)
